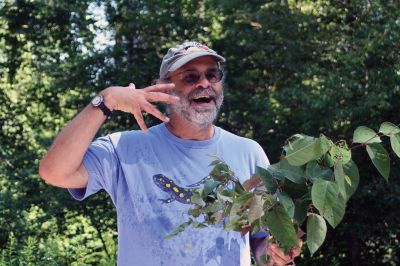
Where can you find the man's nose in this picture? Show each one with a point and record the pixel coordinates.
(203, 82)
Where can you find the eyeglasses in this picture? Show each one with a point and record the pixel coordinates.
(191, 77)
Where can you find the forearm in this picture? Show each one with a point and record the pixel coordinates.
(62, 165)
(64, 158)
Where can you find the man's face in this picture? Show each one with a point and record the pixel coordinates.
(199, 102)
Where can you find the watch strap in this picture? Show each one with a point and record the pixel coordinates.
(104, 109)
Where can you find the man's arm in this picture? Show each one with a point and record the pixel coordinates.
(62, 165)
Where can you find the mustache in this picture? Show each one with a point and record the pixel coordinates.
(201, 92)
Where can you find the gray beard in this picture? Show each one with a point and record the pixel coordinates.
(199, 117)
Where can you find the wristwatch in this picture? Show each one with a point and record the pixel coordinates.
(98, 101)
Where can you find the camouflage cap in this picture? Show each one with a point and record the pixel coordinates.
(182, 54)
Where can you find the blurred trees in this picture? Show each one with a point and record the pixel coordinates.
(292, 66)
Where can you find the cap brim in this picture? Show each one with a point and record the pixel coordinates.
(185, 59)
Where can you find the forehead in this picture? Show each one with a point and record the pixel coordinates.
(200, 63)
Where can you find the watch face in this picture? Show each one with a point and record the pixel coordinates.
(96, 101)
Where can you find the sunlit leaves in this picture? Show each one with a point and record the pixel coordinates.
(364, 134)
(395, 143)
(303, 149)
(389, 129)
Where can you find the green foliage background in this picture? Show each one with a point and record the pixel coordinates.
(292, 66)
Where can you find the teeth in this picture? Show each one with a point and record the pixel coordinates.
(198, 97)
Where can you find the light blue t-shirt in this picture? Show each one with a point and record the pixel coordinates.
(135, 169)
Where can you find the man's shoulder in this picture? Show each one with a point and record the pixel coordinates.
(232, 136)
(239, 141)
(129, 136)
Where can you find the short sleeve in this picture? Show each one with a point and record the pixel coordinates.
(102, 164)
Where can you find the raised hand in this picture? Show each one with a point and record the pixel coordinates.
(136, 101)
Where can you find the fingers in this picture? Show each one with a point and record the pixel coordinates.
(132, 86)
(161, 87)
(149, 108)
(139, 119)
(161, 97)
(277, 255)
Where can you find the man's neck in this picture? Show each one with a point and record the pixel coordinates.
(185, 130)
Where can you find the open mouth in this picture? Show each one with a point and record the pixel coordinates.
(203, 99)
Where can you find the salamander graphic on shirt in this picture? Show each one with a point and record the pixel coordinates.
(175, 192)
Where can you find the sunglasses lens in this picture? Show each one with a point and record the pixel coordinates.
(191, 78)
(214, 75)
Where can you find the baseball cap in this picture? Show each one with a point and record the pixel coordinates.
(182, 54)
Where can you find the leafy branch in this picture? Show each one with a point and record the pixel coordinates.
(311, 185)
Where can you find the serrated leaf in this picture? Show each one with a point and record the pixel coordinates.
(268, 180)
(314, 171)
(328, 200)
(366, 135)
(281, 228)
(389, 129)
(395, 143)
(316, 232)
(380, 158)
(286, 202)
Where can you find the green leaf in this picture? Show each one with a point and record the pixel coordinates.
(209, 186)
(295, 190)
(314, 171)
(365, 135)
(335, 214)
(256, 210)
(328, 200)
(303, 150)
(197, 198)
(328, 160)
(281, 228)
(268, 180)
(316, 232)
(340, 153)
(351, 171)
(284, 168)
(182, 227)
(340, 179)
(380, 158)
(287, 203)
(395, 143)
(389, 129)
(300, 211)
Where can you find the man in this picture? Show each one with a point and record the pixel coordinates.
(147, 173)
